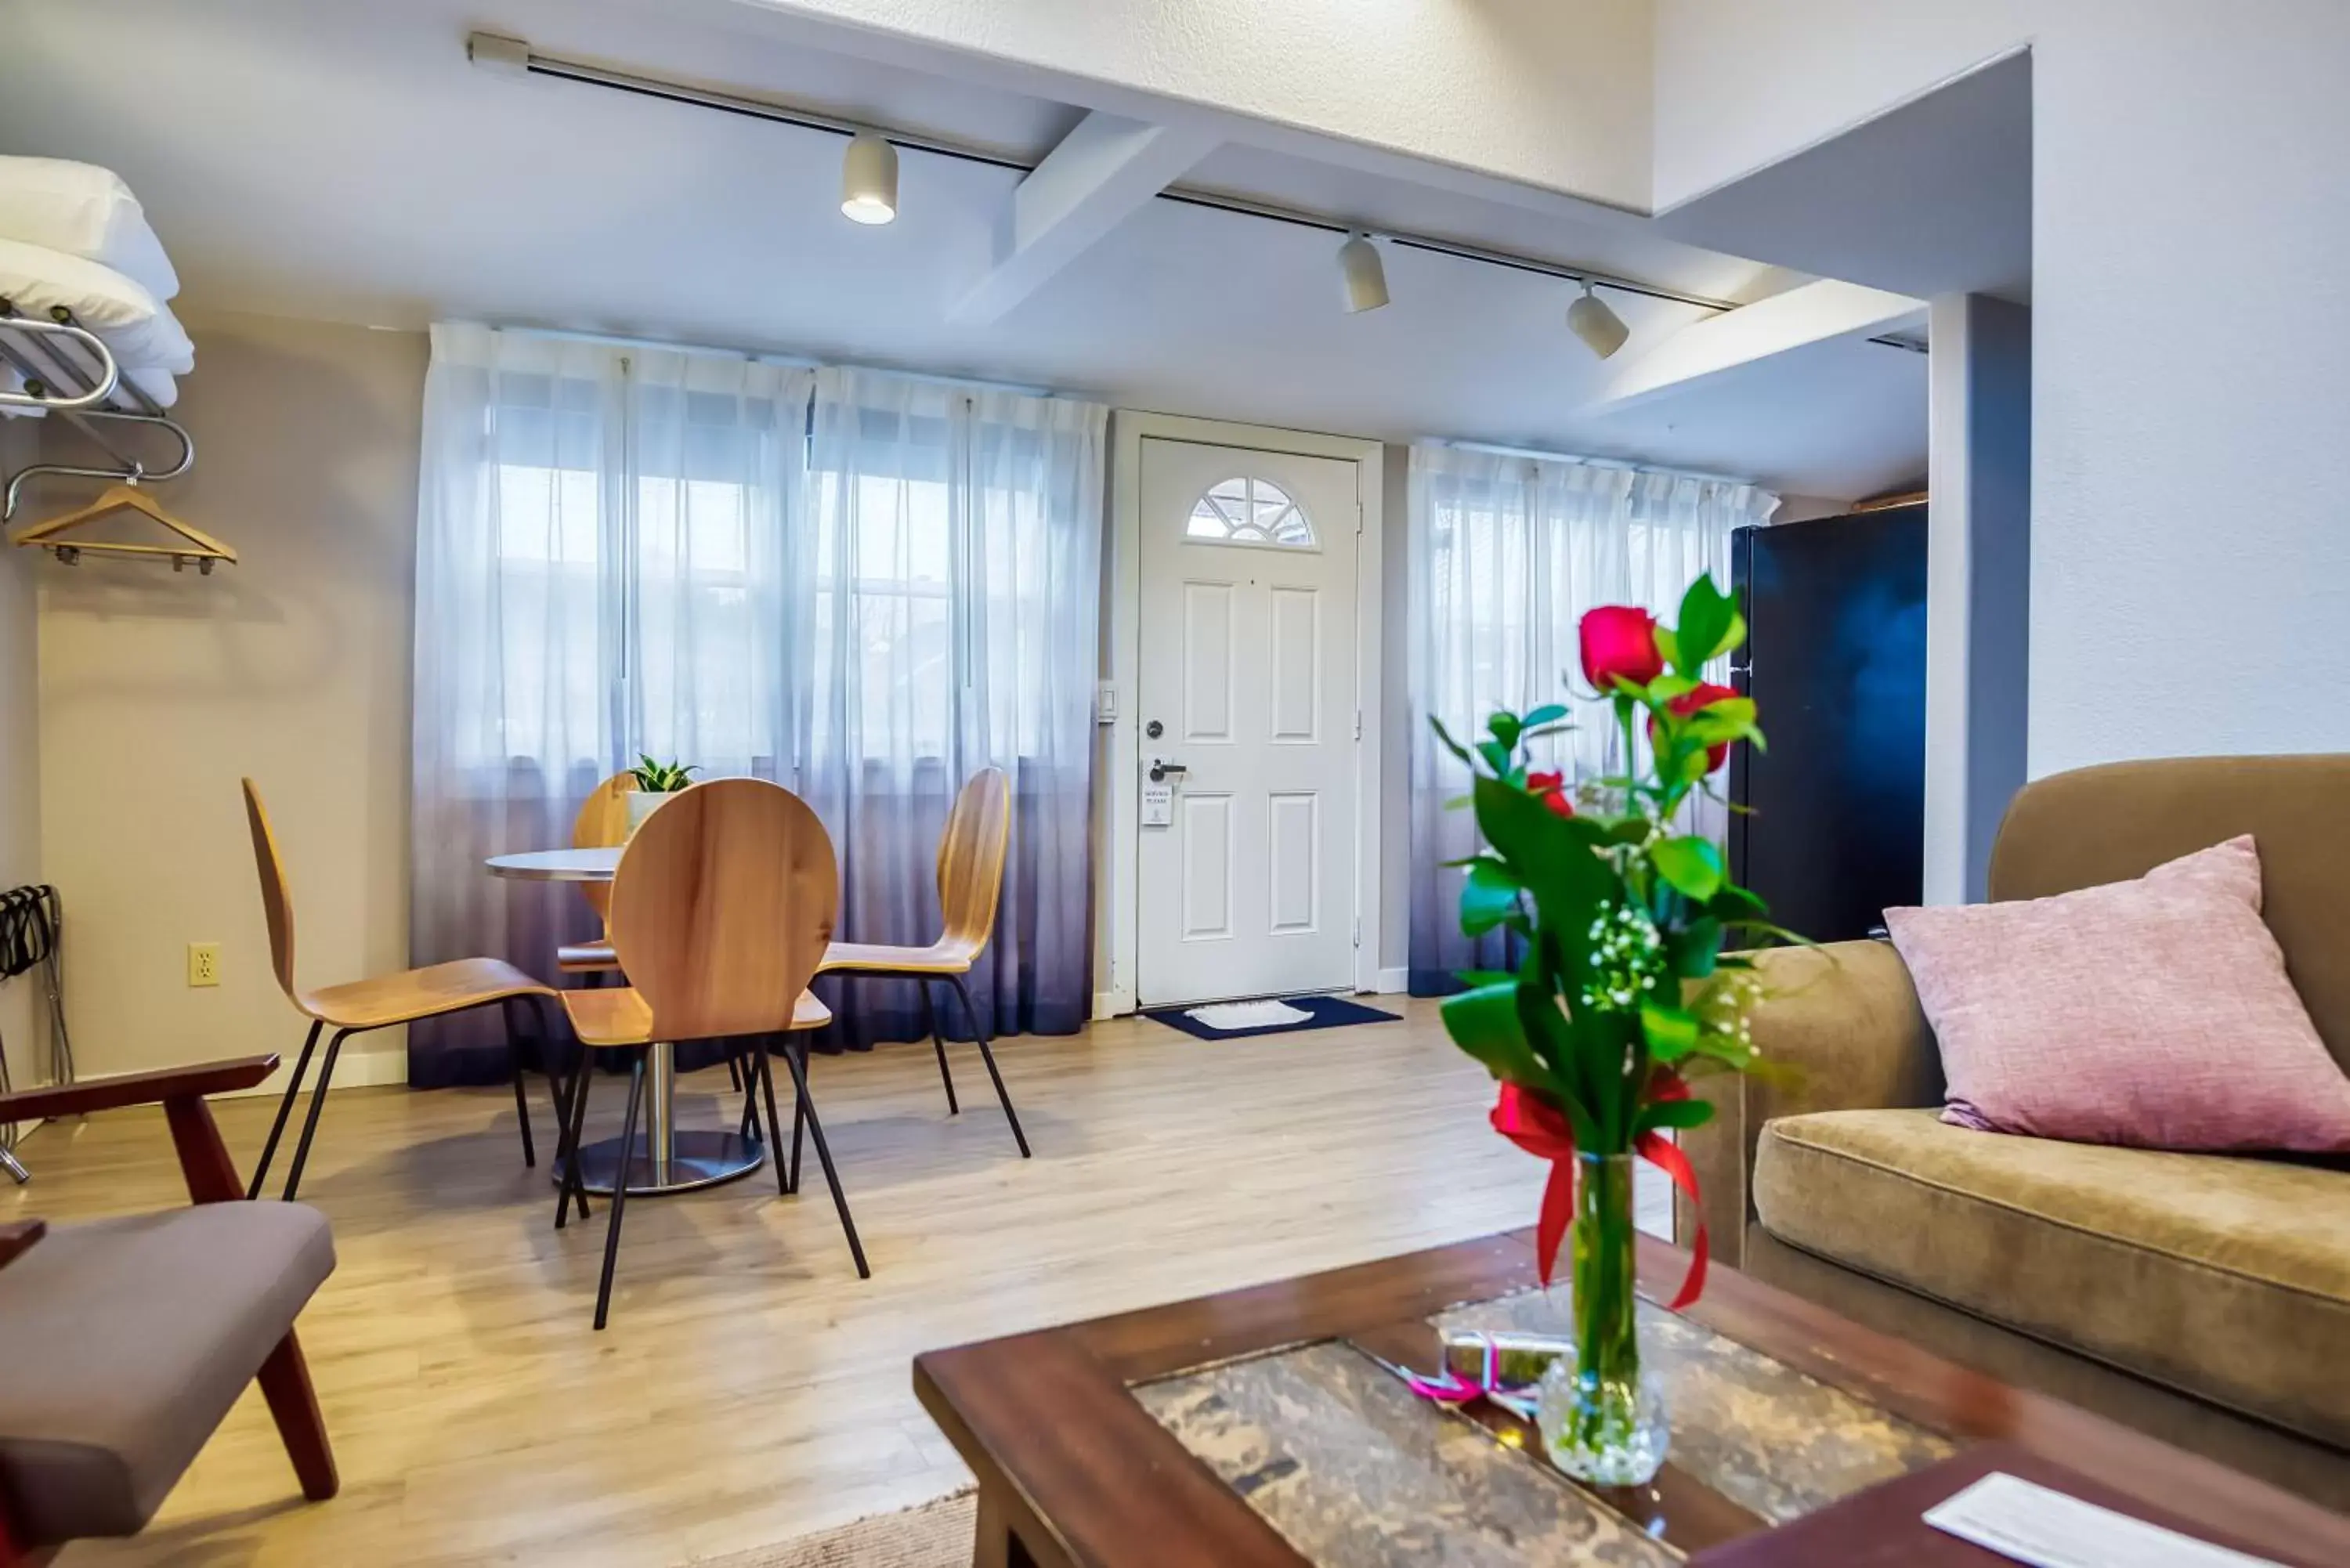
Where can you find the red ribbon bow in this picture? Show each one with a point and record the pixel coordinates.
(1527, 1119)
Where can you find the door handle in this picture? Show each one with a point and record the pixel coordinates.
(1160, 770)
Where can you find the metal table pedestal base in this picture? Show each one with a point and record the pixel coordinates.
(699, 1159)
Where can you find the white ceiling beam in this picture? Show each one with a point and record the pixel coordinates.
(1717, 344)
(1101, 173)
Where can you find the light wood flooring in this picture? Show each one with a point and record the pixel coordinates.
(751, 1389)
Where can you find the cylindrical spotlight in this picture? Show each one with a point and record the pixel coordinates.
(1365, 275)
(1602, 330)
(868, 179)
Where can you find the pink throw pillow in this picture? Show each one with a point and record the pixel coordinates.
(2155, 1013)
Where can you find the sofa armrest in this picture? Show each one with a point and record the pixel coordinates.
(1841, 1023)
(18, 1236)
(90, 1095)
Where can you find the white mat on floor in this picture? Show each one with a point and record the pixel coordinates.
(1270, 1014)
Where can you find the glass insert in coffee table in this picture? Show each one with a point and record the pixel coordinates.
(1330, 1447)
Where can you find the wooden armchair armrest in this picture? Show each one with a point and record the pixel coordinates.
(17, 1236)
(136, 1089)
(203, 1159)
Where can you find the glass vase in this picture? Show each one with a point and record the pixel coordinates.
(1602, 1418)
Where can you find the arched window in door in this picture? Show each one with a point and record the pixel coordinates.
(1247, 510)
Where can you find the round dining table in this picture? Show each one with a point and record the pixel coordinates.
(669, 1160)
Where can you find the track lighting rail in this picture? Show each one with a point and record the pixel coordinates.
(516, 56)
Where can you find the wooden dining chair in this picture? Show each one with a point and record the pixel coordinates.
(603, 823)
(970, 881)
(721, 911)
(362, 1005)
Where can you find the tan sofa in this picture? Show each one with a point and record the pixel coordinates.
(2203, 1298)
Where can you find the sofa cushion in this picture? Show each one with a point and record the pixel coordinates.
(126, 1342)
(2153, 1013)
(2224, 1276)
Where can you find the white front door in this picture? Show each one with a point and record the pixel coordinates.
(1246, 712)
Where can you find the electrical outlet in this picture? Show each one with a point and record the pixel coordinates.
(204, 963)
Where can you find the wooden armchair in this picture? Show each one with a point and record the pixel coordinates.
(124, 1342)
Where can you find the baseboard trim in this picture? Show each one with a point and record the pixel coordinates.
(1113, 1003)
(1394, 982)
(354, 1069)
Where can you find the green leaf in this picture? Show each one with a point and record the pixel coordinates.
(1496, 756)
(1671, 1032)
(1664, 687)
(1690, 864)
(1455, 747)
(1474, 977)
(1668, 644)
(1505, 727)
(1682, 1114)
(1696, 948)
(1732, 902)
(1706, 619)
(1484, 1023)
(1548, 713)
(1624, 829)
(1553, 857)
(1488, 897)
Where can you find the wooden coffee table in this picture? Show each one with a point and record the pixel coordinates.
(1264, 1427)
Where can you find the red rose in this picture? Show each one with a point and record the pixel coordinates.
(1619, 642)
(1704, 694)
(1550, 788)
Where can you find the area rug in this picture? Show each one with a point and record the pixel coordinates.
(935, 1534)
(1272, 1015)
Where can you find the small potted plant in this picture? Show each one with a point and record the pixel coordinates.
(656, 782)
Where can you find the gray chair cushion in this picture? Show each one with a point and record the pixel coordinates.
(124, 1342)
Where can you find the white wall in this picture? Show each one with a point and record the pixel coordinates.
(1552, 93)
(2191, 229)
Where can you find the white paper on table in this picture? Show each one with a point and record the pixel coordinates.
(2031, 1523)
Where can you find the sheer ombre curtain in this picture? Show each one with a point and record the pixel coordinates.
(600, 537)
(1507, 553)
(950, 571)
(864, 586)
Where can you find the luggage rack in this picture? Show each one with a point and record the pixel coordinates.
(69, 372)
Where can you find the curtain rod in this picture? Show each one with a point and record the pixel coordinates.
(795, 362)
(1537, 456)
(516, 56)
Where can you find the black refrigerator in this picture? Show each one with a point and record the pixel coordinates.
(1832, 826)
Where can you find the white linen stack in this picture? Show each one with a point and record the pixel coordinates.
(72, 235)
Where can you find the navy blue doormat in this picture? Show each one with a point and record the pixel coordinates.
(1326, 1013)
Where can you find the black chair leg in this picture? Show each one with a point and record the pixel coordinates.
(799, 1104)
(747, 1127)
(785, 1181)
(284, 1109)
(567, 1140)
(620, 1188)
(522, 1099)
(310, 1122)
(988, 1056)
(824, 1155)
(939, 1044)
(543, 1009)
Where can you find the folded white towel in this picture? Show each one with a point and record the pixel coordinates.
(85, 212)
(143, 333)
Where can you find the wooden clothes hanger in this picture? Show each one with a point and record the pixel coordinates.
(197, 545)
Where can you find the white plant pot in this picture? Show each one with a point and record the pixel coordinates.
(642, 803)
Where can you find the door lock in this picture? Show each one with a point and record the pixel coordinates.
(1160, 770)
(1154, 729)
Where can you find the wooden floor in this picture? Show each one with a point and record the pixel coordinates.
(750, 1387)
